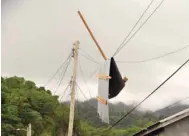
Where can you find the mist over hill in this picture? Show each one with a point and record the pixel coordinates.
(88, 111)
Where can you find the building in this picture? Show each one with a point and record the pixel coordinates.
(175, 125)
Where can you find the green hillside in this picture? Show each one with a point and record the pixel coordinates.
(23, 103)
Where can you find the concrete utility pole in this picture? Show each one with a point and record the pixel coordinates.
(72, 103)
(29, 130)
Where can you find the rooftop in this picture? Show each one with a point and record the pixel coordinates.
(163, 123)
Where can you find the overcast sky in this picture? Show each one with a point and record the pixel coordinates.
(37, 36)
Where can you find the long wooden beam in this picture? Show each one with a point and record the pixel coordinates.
(92, 36)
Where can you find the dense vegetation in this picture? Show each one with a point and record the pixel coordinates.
(88, 110)
(23, 103)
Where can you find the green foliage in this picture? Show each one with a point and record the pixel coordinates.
(88, 110)
(23, 103)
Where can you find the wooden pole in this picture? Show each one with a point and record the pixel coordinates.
(72, 103)
(29, 130)
(92, 36)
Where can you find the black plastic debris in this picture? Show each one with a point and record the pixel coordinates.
(116, 83)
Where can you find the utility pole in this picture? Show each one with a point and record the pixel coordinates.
(72, 103)
(29, 130)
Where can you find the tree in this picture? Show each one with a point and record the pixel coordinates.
(23, 103)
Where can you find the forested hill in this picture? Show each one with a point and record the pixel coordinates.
(88, 111)
(22, 102)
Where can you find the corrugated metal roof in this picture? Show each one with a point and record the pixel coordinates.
(163, 123)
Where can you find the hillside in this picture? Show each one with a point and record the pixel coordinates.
(165, 112)
(22, 102)
(88, 111)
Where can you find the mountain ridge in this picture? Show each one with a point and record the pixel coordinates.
(88, 111)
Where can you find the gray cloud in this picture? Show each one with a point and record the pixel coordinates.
(38, 35)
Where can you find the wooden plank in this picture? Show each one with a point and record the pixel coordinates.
(102, 100)
(103, 76)
(92, 36)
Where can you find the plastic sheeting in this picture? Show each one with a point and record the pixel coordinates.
(116, 82)
(108, 88)
(103, 91)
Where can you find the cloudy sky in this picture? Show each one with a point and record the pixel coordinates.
(37, 36)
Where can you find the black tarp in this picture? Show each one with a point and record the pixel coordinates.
(116, 83)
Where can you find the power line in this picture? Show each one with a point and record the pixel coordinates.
(88, 54)
(86, 117)
(84, 95)
(148, 95)
(95, 71)
(171, 104)
(176, 102)
(58, 70)
(65, 91)
(82, 75)
(155, 58)
(89, 58)
(151, 2)
(63, 74)
(139, 28)
(82, 92)
(77, 102)
(78, 106)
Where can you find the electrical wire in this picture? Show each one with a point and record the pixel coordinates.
(77, 102)
(91, 59)
(95, 71)
(176, 102)
(58, 70)
(84, 95)
(139, 28)
(86, 116)
(63, 74)
(82, 75)
(169, 105)
(155, 58)
(65, 91)
(148, 96)
(89, 56)
(172, 104)
(151, 2)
